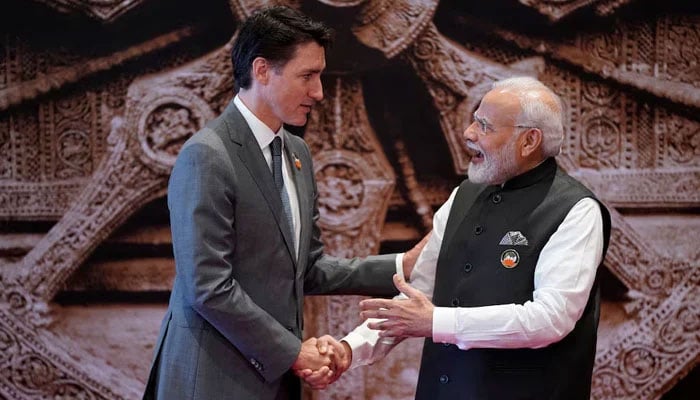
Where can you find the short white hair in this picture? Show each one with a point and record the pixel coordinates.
(540, 108)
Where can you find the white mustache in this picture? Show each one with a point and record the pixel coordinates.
(474, 147)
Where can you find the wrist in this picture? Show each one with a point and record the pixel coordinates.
(348, 352)
(406, 272)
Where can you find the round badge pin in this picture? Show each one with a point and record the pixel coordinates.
(510, 258)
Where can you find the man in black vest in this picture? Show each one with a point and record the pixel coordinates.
(510, 267)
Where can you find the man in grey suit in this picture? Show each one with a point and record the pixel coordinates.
(243, 213)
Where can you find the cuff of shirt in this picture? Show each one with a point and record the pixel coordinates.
(444, 325)
(355, 342)
(399, 265)
(360, 341)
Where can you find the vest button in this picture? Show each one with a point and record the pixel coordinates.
(444, 378)
(496, 198)
(478, 229)
(468, 268)
(455, 302)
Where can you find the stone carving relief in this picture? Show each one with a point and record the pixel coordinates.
(392, 25)
(601, 137)
(682, 141)
(683, 35)
(557, 9)
(6, 163)
(87, 155)
(104, 10)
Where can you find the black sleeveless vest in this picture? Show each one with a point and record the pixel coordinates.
(474, 269)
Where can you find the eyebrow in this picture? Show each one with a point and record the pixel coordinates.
(312, 71)
(480, 120)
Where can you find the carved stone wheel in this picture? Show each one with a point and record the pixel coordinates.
(402, 82)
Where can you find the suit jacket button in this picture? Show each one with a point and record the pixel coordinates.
(455, 302)
(496, 198)
(444, 378)
(468, 267)
(478, 230)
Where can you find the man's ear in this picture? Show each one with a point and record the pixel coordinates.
(531, 142)
(261, 70)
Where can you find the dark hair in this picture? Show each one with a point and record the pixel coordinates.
(274, 33)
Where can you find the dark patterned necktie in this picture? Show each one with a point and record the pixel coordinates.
(279, 182)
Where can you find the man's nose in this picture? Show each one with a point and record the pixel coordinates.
(316, 91)
(470, 133)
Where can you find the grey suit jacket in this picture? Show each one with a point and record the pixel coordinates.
(235, 316)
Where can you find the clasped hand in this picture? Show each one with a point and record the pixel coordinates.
(322, 361)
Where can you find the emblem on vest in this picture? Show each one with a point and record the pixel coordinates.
(510, 258)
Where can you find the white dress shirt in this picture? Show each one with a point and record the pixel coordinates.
(564, 276)
(264, 136)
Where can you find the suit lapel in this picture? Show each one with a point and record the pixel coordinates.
(303, 185)
(252, 158)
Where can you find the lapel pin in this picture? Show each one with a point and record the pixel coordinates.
(297, 162)
(510, 258)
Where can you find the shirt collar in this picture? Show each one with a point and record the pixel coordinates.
(263, 134)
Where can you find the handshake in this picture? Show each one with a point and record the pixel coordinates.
(322, 361)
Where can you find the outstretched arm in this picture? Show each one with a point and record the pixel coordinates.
(341, 352)
(367, 347)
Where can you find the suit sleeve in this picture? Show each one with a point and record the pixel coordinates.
(370, 276)
(200, 198)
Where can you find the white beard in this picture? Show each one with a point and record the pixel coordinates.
(496, 168)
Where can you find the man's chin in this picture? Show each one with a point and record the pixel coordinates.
(480, 176)
(473, 174)
(297, 121)
(473, 179)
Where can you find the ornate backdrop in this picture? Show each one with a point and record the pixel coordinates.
(97, 96)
